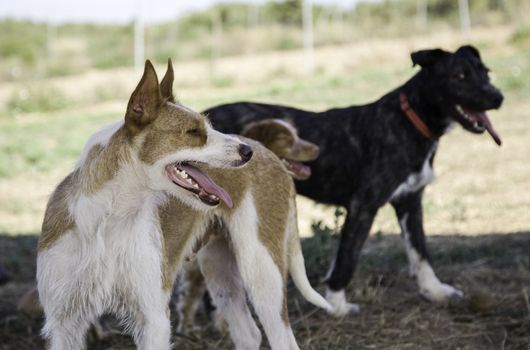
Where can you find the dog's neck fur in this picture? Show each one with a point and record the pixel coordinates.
(110, 182)
(423, 101)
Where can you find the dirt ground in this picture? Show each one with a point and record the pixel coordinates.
(493, 270)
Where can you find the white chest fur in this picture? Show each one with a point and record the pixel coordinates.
(109, 260)
(417, 180)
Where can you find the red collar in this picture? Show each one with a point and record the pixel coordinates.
(414, 118)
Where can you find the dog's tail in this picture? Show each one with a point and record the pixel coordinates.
(297, 266)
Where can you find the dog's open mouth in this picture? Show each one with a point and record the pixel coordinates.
(194, 180)
(477, 122)
(297, 170)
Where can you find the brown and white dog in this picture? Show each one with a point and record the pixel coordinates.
(280, 137)
(118, 227)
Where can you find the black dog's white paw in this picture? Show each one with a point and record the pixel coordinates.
(340, 307)
(440, 292)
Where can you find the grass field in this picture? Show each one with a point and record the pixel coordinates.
(478, 188)
(481, 189)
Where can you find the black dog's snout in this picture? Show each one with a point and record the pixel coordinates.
(245, 152)
(494, 95)
(498, 98)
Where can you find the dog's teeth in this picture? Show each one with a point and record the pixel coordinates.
(182, 173)
(196, 186)
(188, 180)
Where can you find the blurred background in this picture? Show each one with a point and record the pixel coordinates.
(68, 67)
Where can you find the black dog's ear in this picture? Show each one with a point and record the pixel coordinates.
(468, 49)
(426, 58)
(166, 85)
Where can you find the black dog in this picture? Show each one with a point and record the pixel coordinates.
(383, 151)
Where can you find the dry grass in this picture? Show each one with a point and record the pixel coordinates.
(494, 271)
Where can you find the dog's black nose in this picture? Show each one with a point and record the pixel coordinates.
(245, 152)
(494, 96)
(498, 99)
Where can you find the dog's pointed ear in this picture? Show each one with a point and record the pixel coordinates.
(143, 105)
(468, 50)
(166, 85)
(427, 58)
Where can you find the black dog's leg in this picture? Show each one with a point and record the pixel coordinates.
(353, 235)
(410, 216)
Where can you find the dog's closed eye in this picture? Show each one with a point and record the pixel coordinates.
(194, 132)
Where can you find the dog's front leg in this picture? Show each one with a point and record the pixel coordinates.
(353, 235)
(66, 334)
(410, 216)
(150, 322)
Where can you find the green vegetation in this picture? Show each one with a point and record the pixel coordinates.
(37, 99)
(29, 50)
(46, 118)
(522, 36)
(41, 145)
(49, 138)
(22, 41)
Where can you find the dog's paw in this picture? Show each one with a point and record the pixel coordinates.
(340, 307)
(441, 292)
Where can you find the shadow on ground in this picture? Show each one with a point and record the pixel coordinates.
(493, 271)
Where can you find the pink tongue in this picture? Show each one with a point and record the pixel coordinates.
(207, 184)
(301, 169)
(483, 117)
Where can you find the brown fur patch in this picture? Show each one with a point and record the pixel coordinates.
(178, 223)
(103, 162)
(57, 218)
(175, 128)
